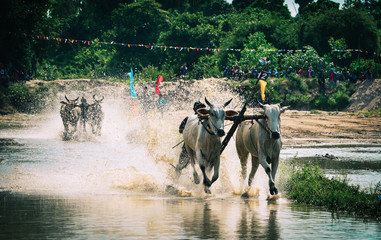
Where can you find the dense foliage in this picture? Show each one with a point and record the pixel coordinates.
(309, 185)
(213, 24)
(239, 33)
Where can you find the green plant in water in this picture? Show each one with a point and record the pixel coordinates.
(309, 185)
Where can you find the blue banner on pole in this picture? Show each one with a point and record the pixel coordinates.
(133, 92)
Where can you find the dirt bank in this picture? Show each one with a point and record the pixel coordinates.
(367, 96)
(302, 128)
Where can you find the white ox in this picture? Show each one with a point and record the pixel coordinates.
(202, 141)
(263, 141)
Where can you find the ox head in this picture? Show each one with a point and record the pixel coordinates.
(98, 100)
(272, 115)
(215, 116)
(70, 103)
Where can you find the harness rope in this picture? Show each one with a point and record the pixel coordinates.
(205, 127)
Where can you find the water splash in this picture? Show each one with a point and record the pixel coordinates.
(134, 152)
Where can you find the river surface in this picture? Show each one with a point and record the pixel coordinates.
(115, 187)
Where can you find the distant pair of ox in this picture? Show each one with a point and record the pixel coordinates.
(262, 139)
(71, 112)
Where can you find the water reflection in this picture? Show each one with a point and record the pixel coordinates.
(138, 217)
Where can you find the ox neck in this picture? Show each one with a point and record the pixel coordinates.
(264, 126)
(206, 126)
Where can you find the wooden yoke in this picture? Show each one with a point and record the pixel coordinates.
(237, 118)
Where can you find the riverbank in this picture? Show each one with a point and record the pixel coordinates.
(303, 128)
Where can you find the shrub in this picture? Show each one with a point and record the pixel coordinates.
(27, 100)
(297, 83)
(205, 68)
(21, 97)
(321, 102)
(309, 185)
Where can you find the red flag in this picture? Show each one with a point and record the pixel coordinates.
(159, 80)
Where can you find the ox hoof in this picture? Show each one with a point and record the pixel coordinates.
(207, 191)
(207, 183)
(245, 195)
(273, 191)
(196, 178)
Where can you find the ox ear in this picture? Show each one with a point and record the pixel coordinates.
(203, 113)
(227, 103)
(230, 114)
(63, 102)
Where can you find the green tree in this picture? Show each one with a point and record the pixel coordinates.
(320, 6)
(302, 4)
(301, 59)
(140, 22)
(21, 21)
(189, 30)
(338, 54)
(256, 48)
(317, 28)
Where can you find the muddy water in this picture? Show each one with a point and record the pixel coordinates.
(115, 186)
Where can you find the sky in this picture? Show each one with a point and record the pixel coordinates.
(292, 5)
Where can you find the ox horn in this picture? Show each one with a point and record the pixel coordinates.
(260, 104)
(207, 102)
(283, 101)
(67, 99)
(76, 99)
(227, 103)
(100, 100)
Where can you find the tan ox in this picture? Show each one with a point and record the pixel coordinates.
(263, 141)
(202, 141)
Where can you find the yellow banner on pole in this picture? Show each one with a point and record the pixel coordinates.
(263, 87)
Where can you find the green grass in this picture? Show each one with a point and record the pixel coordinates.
(314, 111)
(309, 185)
(371, 113)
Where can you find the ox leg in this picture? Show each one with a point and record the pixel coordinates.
(266, 166)
(274, 168)
(191, 155)
(99, 128)
(243, 159)
(242, 154)
(206, 180)
(93, 128)
(254, 167)
(75, 126)
(66, 127)
(216, 170)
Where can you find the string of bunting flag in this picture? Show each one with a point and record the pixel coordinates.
(89, 42)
